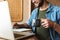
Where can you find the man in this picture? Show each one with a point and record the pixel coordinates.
(52, 20)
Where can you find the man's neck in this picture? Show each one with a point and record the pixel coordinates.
(44, 6)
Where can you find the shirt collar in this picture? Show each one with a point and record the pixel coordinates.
(49, 8)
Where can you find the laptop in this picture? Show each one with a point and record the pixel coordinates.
(6, 30)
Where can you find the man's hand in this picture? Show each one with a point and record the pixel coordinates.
(46, 23)
(15, 25)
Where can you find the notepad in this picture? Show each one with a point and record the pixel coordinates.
(21, 29)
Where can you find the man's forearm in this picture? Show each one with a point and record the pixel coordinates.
(16, 25)
(24, 26)
(56, 27)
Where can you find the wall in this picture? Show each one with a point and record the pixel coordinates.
(1, 0)
(26, 11)
(55, 2)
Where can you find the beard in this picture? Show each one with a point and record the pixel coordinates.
(41, 3)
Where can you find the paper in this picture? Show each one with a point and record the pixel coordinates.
(21, 29)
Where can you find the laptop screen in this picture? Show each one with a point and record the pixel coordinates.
(5, 22)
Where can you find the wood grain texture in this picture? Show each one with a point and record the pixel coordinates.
(15, 7)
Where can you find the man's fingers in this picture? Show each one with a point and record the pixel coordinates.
(45, 25)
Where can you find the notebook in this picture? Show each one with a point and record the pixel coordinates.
(21, 30)
(5, 22)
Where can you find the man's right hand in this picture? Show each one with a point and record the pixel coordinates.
(16, 25)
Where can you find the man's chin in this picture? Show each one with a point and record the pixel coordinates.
(36, 5)
(40, 5)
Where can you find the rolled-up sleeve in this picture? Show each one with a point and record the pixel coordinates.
(58, 16)
(32, 19)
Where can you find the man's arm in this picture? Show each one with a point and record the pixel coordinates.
(56, 27)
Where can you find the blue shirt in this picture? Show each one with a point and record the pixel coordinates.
(53, 14)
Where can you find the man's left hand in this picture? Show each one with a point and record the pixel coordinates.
(46, 23)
